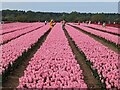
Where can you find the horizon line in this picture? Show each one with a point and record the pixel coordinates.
(62, 11)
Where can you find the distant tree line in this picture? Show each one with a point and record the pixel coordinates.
(30, 16)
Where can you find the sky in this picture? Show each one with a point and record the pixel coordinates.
(83, 7)
(59, 0)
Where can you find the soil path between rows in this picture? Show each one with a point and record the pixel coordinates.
(101, 40)
(103, 31)
(15, 30)
(12, 81)
(90, 80)
(21, 35)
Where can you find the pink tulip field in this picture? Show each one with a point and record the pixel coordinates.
(103, 59)
(109, 29)
(15, 48)
(55, 64)
(107, 36)
(14, 27)
(9, 36)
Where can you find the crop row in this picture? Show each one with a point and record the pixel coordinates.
(19, 26)
(104, 60)
(11, 25)
(107, 28)
(9, 36)
(107, 36)
(12, 50)
(53, 65)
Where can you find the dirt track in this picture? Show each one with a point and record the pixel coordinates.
(12, 80)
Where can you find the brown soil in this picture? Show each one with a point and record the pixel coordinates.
(103, 31)
(20, 35)
(12, 81)
(90, 80)
(15, 30)
(107, 44)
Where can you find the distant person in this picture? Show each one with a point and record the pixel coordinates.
(99, 23)
(104, 24)
(78, 22)
(89, 22)
(45, 22)
(63, 23)
(51, 23)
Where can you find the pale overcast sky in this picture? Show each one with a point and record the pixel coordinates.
(88, 6)
(60, 0)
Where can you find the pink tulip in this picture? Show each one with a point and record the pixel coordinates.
(13, 49)
(107, 36)
(102, 58)
(56, 63)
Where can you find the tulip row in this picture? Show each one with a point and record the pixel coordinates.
(107, 36)
(107, 28)
(11, 25)
(11, 35)
(13, 49)
(53, 65)
(102, 58)
(19, 26)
